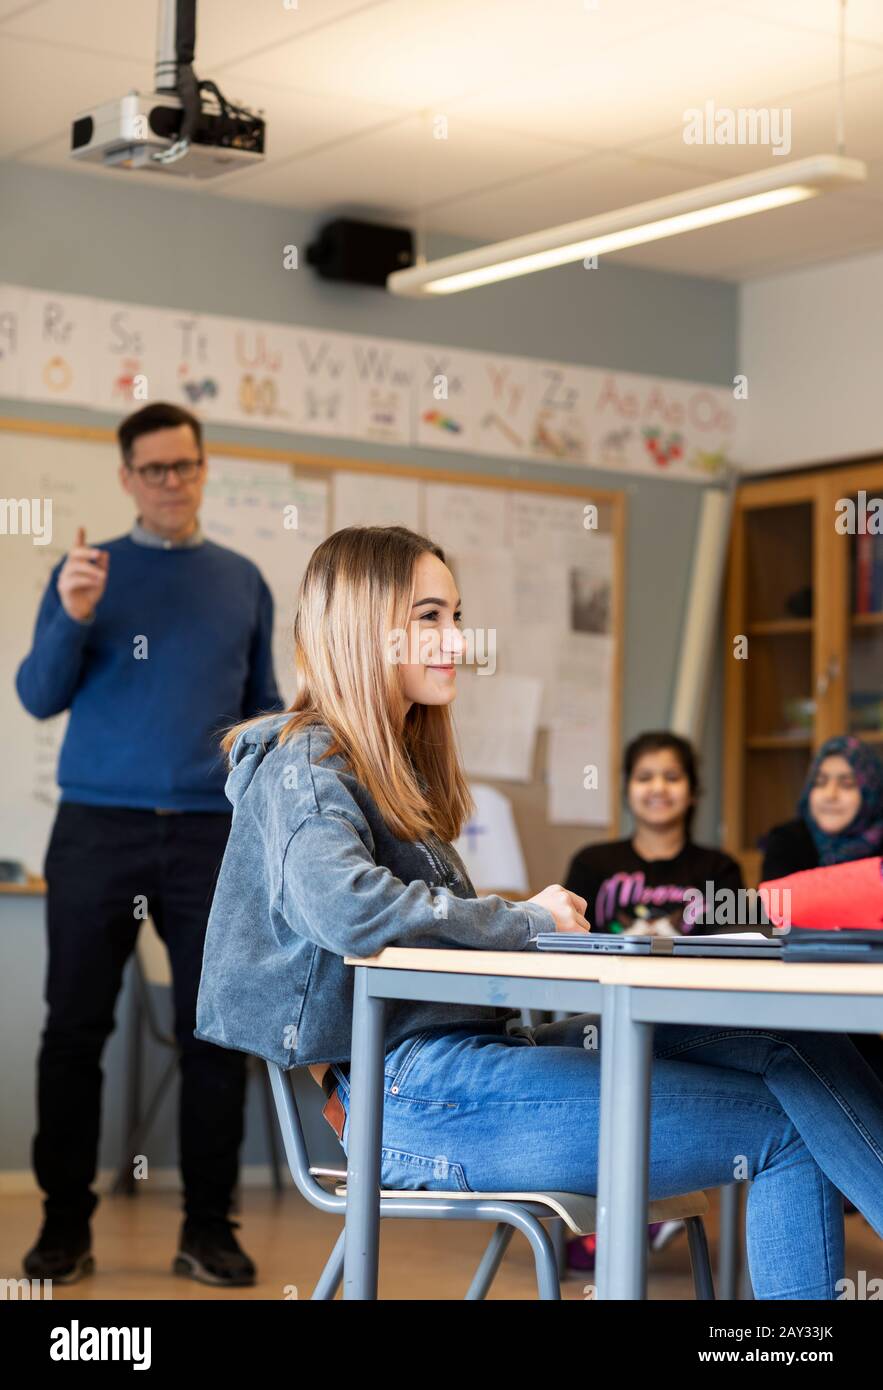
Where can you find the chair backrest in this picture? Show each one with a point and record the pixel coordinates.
(295, 1144)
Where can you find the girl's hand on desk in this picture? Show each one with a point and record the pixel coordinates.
(567, 908)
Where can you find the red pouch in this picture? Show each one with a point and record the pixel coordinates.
(838, 895)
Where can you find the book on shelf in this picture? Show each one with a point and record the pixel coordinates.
(868, 574)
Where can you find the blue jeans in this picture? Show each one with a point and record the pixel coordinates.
(518, 1109)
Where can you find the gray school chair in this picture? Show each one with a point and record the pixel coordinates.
(509, 1211)
(150, 966)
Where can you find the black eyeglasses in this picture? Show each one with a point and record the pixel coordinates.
(155, 474)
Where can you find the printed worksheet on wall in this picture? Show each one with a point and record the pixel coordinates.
(363, 499)
(276, 519)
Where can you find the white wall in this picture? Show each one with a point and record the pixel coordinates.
(811, 345)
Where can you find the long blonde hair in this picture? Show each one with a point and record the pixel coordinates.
(358, 588)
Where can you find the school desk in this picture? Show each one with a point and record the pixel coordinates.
(631, 994)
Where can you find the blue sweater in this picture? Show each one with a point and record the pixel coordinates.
(143, 732)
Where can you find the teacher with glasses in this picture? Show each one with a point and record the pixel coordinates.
(155, 642)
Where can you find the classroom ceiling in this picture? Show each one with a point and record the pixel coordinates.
(556, 109)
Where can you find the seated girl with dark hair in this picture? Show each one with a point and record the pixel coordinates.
(839, 816)
(640, 884)
(839, 819)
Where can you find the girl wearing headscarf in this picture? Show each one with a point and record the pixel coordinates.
(840, 814)
(840, 817)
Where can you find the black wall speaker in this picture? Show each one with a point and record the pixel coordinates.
(360, 253)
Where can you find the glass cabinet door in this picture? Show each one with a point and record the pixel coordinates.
(856, 677)
(780, 701)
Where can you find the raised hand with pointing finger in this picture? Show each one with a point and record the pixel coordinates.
(83, 578)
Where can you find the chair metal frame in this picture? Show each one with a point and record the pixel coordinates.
(507, 1216)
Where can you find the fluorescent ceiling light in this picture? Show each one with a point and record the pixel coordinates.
(773, 187)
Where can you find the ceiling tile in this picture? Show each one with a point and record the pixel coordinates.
(9, 8)
(582, 188)
(641, 89)
(122, 29)
(225, 29)
(418, 55)
(402, 167)
(864, 18)
(812, 130)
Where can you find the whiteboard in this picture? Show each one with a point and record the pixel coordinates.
(81, 478)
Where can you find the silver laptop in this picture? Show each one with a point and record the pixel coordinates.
(723, 944)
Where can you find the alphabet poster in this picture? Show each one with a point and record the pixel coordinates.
(304, 381)
(58, 349)
(12, 304)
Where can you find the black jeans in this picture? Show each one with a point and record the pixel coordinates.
(106, 869)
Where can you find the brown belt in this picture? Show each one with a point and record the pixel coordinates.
(333, 1108)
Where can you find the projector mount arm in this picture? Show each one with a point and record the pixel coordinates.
(175, 51)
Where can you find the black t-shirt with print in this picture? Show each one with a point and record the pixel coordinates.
(629, 894)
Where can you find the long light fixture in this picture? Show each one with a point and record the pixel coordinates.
(772, 187)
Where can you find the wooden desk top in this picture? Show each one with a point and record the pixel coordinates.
(660, 972)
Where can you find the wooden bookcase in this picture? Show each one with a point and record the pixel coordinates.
(812, 666)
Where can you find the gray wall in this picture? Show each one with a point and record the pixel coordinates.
(86, 234)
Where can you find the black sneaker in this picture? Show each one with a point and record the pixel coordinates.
(209, 1252)
(63, 1252)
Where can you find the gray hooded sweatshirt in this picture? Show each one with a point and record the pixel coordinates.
(313, 873)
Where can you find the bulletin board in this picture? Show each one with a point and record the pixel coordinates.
(538, 563)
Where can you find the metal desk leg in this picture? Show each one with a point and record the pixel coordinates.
(362, 1241)
(626, 1054)
(730, 1240)
(746, 1292)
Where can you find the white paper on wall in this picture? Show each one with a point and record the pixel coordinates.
(319, 383)
(544, 527)
(558, 412)
(590, 586)
(131, 369)
(655, 425)
(366, 499)
(489, 845)
(445, 405)
(579, 679)
(382, 373)
(486, 585)
(277, 520)
(496, 718)
(541, 609)
(196, 364)
(254, 364)
(502, 406)
(58, 348)
(463, 519)
(12, 308)
(579, 790)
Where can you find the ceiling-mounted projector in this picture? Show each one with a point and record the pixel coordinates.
(186, 127)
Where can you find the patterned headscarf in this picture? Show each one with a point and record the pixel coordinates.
(864, 834)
